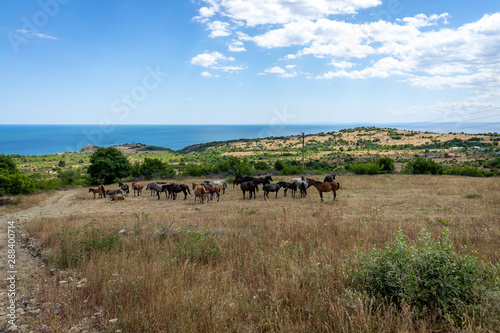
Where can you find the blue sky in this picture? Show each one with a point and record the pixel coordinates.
(249, 62)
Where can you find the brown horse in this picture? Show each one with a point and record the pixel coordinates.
(200, 192)
(137, 187)
(325, 187)
(213, 190)
(96, 191)
(250, 187)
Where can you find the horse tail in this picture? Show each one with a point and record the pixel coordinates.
(338, 185)
(189, 190)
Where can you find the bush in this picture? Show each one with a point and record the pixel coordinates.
(151, 166)
(428, 274)
(465, 171)
(16, 183)
(423, 166)
(261, 166)
(379, 166)
(7, 163)
(107, 165)
(368, 168)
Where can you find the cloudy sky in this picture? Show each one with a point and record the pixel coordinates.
(249, 61)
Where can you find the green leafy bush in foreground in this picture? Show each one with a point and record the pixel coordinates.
(428, 274)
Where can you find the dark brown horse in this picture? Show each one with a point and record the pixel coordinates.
(325, 187)
(250, 187)
(124, 187)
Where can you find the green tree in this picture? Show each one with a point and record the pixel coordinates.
(7, 163)
(108, 164)
(16, 183)
(386, 163)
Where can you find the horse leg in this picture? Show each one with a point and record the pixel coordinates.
(321, 195)
(158, 194)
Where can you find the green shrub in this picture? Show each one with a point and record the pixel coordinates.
(464, 171)
(428, 274)
(368, 168)
(107, 165)
(7, 163)
(16, 183)
(423, 166)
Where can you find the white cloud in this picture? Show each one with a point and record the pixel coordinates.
(275, 70)
(261, 12)
(209, 59)
(418, 49)
(422, 20)
(342, 64)
(207, 74)
(219, 29)
(207, 12)
(34, 34)
(236, 46)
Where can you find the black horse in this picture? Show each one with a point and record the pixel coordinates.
(250, 187)
(177, 188)
(303, 189)
(124, 187)
(290, 186)
(329, 178)
(272, 188)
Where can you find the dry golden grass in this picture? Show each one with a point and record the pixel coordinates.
(255, 265)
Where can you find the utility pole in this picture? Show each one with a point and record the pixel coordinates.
(303, 143)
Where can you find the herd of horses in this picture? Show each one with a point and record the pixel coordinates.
(214, 188)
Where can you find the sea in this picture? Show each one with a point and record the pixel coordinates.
(52, 139)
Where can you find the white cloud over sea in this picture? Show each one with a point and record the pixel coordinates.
(422, 50)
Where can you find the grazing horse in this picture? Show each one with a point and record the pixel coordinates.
(250, 187)
(261, 180)
(325, 187)
(214, 183)
(177, 188)
(213, 190)
(124, 187)
(96, 191)
(329, 178)
(290, 186)
(272, 188)
(239, 180)
(102, 188)
(137, 187)
(199, 192)
(303, 189)
(157, 187)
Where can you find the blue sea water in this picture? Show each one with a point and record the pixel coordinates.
(51, 139)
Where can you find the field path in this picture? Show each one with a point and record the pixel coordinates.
(28, 266)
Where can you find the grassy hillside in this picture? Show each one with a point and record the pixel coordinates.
(324, 152)
(282, 265)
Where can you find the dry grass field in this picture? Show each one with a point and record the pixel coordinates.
(148, 265)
